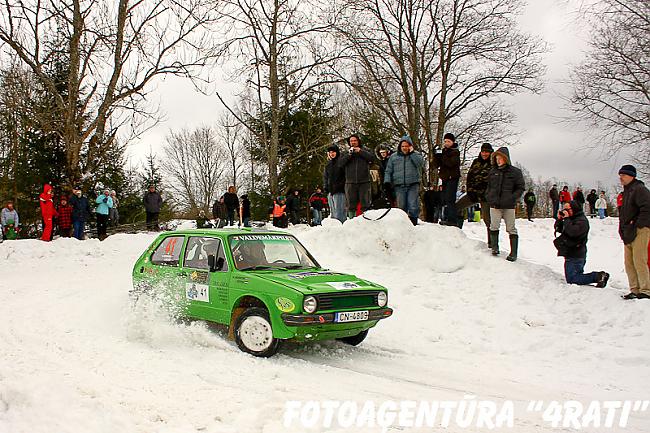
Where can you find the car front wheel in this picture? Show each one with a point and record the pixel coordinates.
(254, 334)
(355, 340)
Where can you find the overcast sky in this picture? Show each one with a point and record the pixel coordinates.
(548, 148)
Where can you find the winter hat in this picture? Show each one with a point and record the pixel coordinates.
(628, 169)
(334, 148)
(407, 139)
(449, 136)
(486, 147)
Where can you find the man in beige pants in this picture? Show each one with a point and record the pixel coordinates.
(634, 229)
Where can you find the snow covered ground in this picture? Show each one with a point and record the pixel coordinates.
(76, 358)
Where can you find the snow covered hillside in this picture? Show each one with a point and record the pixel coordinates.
(76, 358)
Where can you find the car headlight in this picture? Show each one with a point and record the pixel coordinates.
(309, 304)
(382, 299)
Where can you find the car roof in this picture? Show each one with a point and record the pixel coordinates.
(223, 232)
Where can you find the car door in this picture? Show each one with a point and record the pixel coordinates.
(206, 292)
(167, 276)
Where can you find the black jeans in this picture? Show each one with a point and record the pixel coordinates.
(102, 223)
(152, 221)
(449, 189)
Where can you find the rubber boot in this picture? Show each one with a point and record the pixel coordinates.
(489, 238)
(494, 242)
(514, 246)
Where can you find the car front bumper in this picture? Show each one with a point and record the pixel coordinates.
(325, 318)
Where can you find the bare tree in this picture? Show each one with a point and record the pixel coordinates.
(98, 58)
(284, 48)
(232, 138)
(611, 87)
(195, 165)
(425, 63)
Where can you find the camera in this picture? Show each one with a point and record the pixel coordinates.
(351, 150)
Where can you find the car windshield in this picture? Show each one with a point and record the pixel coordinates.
(268, 251)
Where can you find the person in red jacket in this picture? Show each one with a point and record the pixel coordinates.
(48, 211)
(565, 195)
(64, 218)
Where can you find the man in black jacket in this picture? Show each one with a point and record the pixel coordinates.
(448, 161)
(356, 163)
(80, 212)
(505, 188)
(152, 201)
(477, 178)
(554, 195)
(634, 229)
(334, 183)
(293, 206)
(592, 198)
(231, 201)
(573, 227)
(432, 203)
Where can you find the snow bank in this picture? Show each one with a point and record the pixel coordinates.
(76, 357)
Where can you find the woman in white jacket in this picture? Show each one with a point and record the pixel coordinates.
(601, 205)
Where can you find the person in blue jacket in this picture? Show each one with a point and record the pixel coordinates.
(404, 174)
(104, 205)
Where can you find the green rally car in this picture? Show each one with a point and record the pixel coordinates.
(264, 285)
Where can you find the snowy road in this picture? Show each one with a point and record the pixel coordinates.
(77, 358)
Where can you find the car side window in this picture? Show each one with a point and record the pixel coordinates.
(199, 248)
(168, 252)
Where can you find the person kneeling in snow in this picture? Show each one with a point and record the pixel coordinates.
(573, 226)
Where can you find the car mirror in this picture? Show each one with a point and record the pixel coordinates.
(214, 263)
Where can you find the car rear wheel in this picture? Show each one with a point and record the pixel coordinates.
(254, 334)
(355, 340)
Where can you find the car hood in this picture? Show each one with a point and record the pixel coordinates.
(318, 281)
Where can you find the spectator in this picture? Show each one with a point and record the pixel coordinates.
(448, 161)
(80, 212)
(47, 211)
(9, 222)
(201, 220)
(505, 188)
(334, 183)
(432, 204)
(65, 217)
(220, 212)
(356, 163)
(565, 195)
(530, 200)
(152, 201)
(245, 210)
(317, 202)
(477, 180)
(278, 213)
(592, 198)
(114, 214)
(403, 175)
(293, 206)
(579, 197)
(384, 155)
(554, 195)
(232, 204)
(572, 245)
(601, 205)
(619, 202)
(104, 204)
(634, 229)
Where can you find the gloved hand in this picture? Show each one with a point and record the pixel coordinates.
(105, 200)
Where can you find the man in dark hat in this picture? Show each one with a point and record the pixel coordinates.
(334, 183)
(634, 229)
(356, 162)
(448, 161)
(477, 180)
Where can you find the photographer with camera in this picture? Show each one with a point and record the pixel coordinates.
(573, 226)
(356, 163)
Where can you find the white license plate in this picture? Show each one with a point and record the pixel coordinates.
(351, 316)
